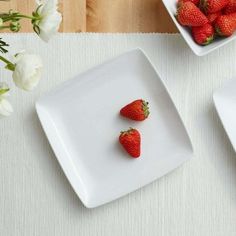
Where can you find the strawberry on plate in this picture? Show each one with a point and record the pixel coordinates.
(137, 110)
(211, 6)
(213, 16)
(203, 35)
(190, 15)
(131, 141)
(225, 25)
(231, 7)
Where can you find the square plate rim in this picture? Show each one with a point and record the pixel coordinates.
(59, 151)
(218, 110)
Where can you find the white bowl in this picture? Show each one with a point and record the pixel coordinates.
(199, 50)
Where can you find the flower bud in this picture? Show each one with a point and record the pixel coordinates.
(15, 26)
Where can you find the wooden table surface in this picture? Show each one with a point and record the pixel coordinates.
(103, 15)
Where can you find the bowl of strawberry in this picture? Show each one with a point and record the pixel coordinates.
(205, 24)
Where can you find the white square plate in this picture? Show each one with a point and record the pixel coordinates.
(82, 122)
(199, 50)
(225, 103)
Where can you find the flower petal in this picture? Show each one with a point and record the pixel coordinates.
(51, 19)
(5, 108)
(28, 71)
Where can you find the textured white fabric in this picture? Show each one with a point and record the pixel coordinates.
(197, 199)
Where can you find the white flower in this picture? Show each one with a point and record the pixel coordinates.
(50, 19)
(5, 107)
(27, 71)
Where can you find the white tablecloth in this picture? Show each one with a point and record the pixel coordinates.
(197, 199)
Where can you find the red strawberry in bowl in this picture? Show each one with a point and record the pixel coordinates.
(131, 142)
(225, 25)
(203, 35)
(180, 2)
(190, 15)
(213, 16)
(231, 7)
(211, 6)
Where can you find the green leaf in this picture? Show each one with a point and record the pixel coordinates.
(37, 10)
(2, 91)
(36, 29)
(3, 45)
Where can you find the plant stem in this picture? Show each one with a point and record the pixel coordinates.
(25, 16)
(5, 60)
(7, 17)
(10, 65)
(4, 27)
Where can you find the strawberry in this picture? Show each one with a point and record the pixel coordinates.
(225, 25)
(231, 7)
(131, 141)
(137, 110)
(203, 35)
(180, 2)
(211, 6)
(190, 15)
(213, 16)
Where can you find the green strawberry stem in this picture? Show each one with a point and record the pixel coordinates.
(209, 40)
(145, 108)
(127, 131)
(217, 29)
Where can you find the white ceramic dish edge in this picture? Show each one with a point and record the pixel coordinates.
(59, 151)
(216, 101)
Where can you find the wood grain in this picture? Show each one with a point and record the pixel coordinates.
(103, 15)
(128, 16)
